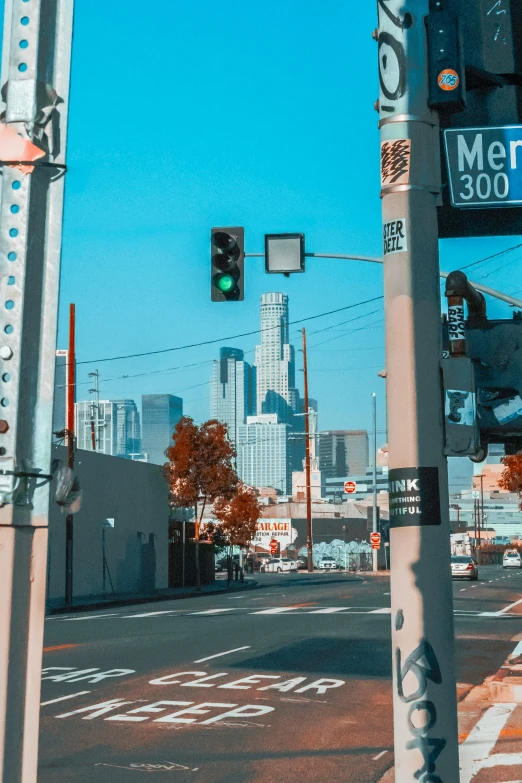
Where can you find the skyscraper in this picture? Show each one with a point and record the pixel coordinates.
(275, 361)
(343, 453)
(116, 426)
(159, 415)
(232, 390)
(262, 450)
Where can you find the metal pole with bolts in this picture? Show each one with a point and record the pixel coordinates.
(375, 522)
(309, 540)
(424, 691)
(36, 53)
(71, 387)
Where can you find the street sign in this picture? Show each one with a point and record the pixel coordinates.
(350, 487)
(273, 546)
(375, 540)
(484, 166)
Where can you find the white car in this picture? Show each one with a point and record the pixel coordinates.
(327, 563)
(511, 559)
(280, 564)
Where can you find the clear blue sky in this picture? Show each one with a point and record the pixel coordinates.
(191, 113)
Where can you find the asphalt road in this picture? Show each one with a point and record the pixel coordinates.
(287, 683)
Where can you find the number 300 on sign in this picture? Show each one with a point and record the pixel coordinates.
(483, 186)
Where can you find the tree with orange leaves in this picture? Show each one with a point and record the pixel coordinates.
(511, 478)
(238, 517)
(200, 469)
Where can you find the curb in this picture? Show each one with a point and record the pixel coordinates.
(110, 604)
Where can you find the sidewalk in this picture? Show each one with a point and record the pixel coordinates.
(490, 726)
(87, 603)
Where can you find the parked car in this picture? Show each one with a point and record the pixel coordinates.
(258, 560)
(280, 564)
(327, 563)
(512, 559)
(302, 563)
(464, 567)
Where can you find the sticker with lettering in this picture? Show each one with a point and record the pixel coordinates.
(456, 322)
(414, 497)
(394, 237)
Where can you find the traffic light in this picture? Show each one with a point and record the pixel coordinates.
(446, 82)
(227, 264)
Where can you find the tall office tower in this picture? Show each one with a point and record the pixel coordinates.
(128, 435)
(263, 453)
(159, 415)
(275, 361)
(115, 424)
(343, 453)
(232, 390)
(61, 374)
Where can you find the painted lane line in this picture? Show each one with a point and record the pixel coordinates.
(462, 589)
(215, 611)
(489, 581)
(329, 610)
(476, 748)
(91, 617)
(218, 655)
(150, 614)
(380, 611)
(379, 755)
(60, 647)
(277, 610)
(63, 698)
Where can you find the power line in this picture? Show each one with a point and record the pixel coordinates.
(230, 337)
(488, 258)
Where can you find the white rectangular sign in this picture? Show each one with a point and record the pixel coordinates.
(394, 238)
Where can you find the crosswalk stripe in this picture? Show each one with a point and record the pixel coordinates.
(216, 611)
(386, 610)
(329, 610)
(277, 610)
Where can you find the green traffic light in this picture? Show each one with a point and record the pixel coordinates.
(225, 283)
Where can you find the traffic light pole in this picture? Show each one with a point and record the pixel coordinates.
(424, 691)
(36, 53)
(309, 539)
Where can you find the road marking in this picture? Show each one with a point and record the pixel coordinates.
(380, 611)
(329, 610)
(215, 611)
(517, 651)
(507, 608)
(218, 655)
(63, 698)
(475, 749)
(379, 755)
(462, 589)
(91, 617)
(490, 580)
(150, 614)
(60, 647)
(386, 594)
(276, 610)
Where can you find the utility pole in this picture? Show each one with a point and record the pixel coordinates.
(95, 428)
(309, 540)
(481, 517)
(71, 389)
(36, 53)
(424, 692)
(375, 523)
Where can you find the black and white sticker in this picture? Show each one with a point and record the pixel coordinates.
(456, 322)
(460, 407)
(414, 497)
(394, 238)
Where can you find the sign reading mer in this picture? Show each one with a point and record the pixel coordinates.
(485, 166)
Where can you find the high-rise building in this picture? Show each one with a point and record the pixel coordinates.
(232, 390)
(343, 452)
(115, 425)
(262, 450)
(61, 374)
(159, 415)
(275, 361)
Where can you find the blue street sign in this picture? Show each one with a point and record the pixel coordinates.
(484, 166)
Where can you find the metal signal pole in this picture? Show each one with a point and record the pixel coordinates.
(36, 52)
(424, 692)
(375, 522)
(309, 540)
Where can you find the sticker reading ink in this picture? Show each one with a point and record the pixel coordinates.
(448, 79)
(414, 497)
(394, 237)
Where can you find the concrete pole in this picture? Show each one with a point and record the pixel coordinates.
(424, 692)
(36, 52)
(309, 539)
(71, 395)
(375, 523)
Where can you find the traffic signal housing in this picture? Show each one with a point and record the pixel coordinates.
(227, 248)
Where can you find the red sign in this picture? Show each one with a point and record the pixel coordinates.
(273, 546)
(350, 487)
(375, 539)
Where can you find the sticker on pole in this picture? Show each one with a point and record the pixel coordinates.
(375, 540)
(448, 79)
(394, 237)
(456, 322)
(460, 407)
(395, 162)
(350, 487)
(414, 497)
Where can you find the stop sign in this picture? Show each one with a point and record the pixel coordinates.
(350, 487)
(375, 539)
(273, 546)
